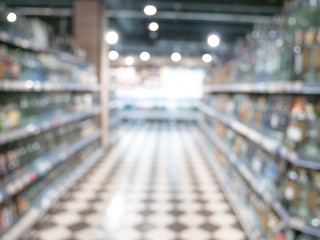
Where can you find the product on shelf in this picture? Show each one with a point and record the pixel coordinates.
(45, 133)
(19, 64)
(21, 109)
(286, 51)
(296, 187)
(292, 121)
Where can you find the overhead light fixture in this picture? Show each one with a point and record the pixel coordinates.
(129, 60)
(206, 58)
(11, 17)
(112, 37)
(150, 10)
(213, 40)
(144, 56)
(176, 57)
(113, 55)
(153, 26)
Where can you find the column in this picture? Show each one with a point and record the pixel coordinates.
(89, 26)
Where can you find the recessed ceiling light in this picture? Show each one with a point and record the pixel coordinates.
(11, 17)
(176, 57)
(144, 56)
(113, 55)
(129, 60)
(150, 10)
(213, 40)
(112, 37)
(153, 26)
(206, 58)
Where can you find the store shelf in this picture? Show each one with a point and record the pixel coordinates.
(27, 45)
(264, 88)
(50, 197)
(159, 115)
(253, 135)
(292, 222)
(252, 231)
(42, 165)
(45, 124)
(113, 105)
(37, 86)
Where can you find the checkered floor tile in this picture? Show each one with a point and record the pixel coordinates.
(153, 185)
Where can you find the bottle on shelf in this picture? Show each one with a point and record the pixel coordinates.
(314, 198)
(302, 209)
(311, 148)
(297, 130)
(291, 189)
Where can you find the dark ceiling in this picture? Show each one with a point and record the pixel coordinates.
(184, 24)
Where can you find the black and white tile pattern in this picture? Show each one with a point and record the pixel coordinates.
(153, 185)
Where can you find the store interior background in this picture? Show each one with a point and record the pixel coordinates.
(74, 72)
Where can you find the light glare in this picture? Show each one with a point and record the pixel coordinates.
(144, 56)
(214, 40)
(176, 57)
(113, 55)
(206, 58)
(112, 37)
(150, 10)
(12, 17)
(153, 26)
(129, 60)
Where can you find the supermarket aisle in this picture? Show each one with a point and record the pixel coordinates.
(153, 185)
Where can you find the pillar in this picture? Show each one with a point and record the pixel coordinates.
(89, 26)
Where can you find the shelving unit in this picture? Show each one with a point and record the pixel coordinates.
(264, 88)
(52, 194)
(261, 112)
(30, 173)
(42, 165)
(37, 86)
(46, 123)
(292, 222)
(174, 115)
(253, 135)
(252, 231)
(25, 44)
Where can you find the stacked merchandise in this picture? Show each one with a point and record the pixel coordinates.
(49, 125)
(265, 106)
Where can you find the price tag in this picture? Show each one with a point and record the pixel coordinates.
(297, 223)
(294, 133)
(270, 145)
(11, 188)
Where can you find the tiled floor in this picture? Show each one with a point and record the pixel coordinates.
(153, 185)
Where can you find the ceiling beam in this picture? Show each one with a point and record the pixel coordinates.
(203, 28)
(266, 9)
(192, 16)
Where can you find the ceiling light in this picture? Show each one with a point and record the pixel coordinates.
(129, 60)
(113, 55)
(144, 56)
(213, 40)
(176, 57)
(150, 10)
(12, 17)
(206, 58)
(112, 37)
(153, 26)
